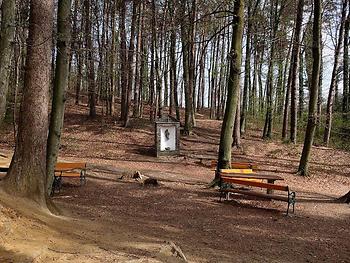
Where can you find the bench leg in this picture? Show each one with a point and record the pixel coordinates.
(270, 191)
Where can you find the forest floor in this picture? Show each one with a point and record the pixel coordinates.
(119, 220)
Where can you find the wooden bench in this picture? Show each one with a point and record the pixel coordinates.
(68, 170)
(225, 181)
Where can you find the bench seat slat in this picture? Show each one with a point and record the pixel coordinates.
(237, 165)
(256, 184)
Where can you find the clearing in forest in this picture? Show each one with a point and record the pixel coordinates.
(119, 220)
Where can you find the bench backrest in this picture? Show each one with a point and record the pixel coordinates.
(60, 166)
(253, 183)
(236, 165)
(236, 171)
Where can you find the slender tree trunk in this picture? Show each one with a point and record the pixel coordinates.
(7, 37)
(295, 64)
(311, 125)
(27, 172)
(346, 86)
(237, 125)
(247, 79)
(173, 68)
(60, 84)
(136, 106)
(301, 86)
(152, 100)
(275, 20)
(187, 38)
(235, 56)
(130, 64)
(328, 128)
(90, 60)
(123, 64)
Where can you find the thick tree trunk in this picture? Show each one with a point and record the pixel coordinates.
(60, 84)
(27, 173)
(7, 35)
(235, 56)
(311, 124)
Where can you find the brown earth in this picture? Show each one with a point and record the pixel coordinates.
(119, 220)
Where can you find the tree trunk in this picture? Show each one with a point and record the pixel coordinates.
(60, 84)
(27, 173)
(90, 60)
(233, 86)
(237, 125)
(130, 64)
(327, 131)
(346, 87)
(301, 86)
(187, 38)
(247, 80)
(7, 35)
(311, 124)
(152, 99)
(173, 71)
(294, 71)
(123, 64)
(136, 106)
(275, 20)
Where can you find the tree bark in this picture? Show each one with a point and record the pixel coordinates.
(295, 64)
(247, 79)
(90, 60)
(27, 173)
(60, 84)
(233, 86)
(346, 87)
(311, 124)
(7, 35)
(123, 64)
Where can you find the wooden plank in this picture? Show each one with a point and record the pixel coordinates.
(69, 166)
(257, 194)
(236, 171)
(256, 184)
(237, 165)
(253, 176)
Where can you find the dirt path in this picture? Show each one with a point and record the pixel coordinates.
(114, 220)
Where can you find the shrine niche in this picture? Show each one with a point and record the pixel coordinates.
(167, 136)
